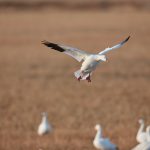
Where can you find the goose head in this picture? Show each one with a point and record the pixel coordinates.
(141, 121)
(101, 58)
(97, 127)
(44, 114)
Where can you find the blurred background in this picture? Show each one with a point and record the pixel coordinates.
(34, 78)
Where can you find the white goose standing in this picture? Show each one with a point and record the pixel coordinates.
(145, 145)
(142, 146)
(148, 133)
(102, 143)
(144, 137)
(90, 61)
(44, 126)
(141, 134)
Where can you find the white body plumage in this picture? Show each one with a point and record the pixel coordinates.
(89, 65)
(102, 143)
(44, 126)
(142, 146)
(141, 134)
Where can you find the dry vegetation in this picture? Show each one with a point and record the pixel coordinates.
(34, 78)
(75, 4)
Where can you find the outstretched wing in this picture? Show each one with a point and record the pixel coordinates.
(79, 55)
(114, 47)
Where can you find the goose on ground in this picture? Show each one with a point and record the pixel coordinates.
(141, 134)
(142, 146)
(148, 134)
(44, 126)
(102, 143)
(90, 61)
(145, 145)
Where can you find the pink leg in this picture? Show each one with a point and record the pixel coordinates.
(79, 78)
(88, 78)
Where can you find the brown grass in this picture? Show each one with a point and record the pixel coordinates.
(34, 78)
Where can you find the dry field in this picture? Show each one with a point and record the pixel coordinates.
(34, 78)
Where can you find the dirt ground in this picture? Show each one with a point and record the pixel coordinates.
(34, 78)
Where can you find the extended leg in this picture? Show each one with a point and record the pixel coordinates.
(88, 78)
(79, 78)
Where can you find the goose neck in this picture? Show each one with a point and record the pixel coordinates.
(44, 119)
(141, 128)
(99, 134)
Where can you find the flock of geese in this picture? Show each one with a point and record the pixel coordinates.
(100, 142)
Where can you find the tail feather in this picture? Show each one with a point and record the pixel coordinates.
(77, 73)
(83, 76)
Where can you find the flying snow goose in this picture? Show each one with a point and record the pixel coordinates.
(141, 134)
(102, 143)
(44, 126)
(90, 61)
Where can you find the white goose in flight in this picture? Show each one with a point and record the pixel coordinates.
(44, 126)
(90, 61)
(141, 134)
(102, 143)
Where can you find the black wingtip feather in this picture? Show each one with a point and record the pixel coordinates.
(53, 46)
(125, 40)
